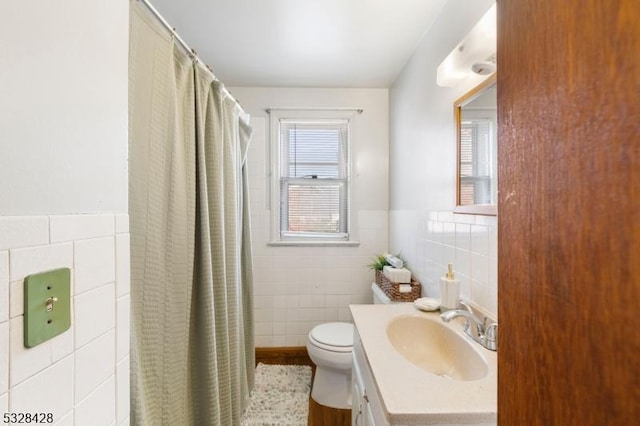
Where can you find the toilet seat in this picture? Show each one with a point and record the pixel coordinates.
(333, 336)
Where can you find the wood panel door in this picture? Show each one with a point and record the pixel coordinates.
(569, 212)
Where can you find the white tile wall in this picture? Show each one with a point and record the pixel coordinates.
(25, 261)
(79, 227)
(4, 286)
(25, 362)
(123, 306)
(439, 238)
(95, 263)
(123, 266)
(73, 375)
(66, 420)
(99, 408)
(122, 390)
(122, 224)
(95, 362)
(296, 288)
(4, 402)
(95, 313)
(50, 391)
(23, 231)
(16, 299)
(4, 358)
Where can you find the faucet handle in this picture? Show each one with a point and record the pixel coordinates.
(491, 336)
(488, 322)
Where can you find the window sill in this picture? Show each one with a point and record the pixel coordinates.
(314, 243)
(478, 209)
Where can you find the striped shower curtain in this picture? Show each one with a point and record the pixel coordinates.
(192, 351)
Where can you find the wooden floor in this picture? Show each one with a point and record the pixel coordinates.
(319, 415)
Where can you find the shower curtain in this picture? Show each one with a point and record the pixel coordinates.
(192, 350)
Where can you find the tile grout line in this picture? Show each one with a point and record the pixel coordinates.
(9, 392)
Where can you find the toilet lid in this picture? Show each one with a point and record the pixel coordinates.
(338, 334)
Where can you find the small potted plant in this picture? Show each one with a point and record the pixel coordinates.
(378, 263)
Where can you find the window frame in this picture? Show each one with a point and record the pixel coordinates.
(308, 116)
(478, 119)
(475, 209)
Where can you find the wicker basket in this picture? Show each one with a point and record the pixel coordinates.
(392, 290)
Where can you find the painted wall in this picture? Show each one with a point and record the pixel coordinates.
(298, 287)
(63, 154)
(422, 226)
(63, 107)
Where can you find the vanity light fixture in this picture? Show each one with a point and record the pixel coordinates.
(483, 68)
(474, 56)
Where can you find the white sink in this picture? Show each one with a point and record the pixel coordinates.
(436, 348)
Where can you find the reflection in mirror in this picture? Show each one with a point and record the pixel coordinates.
(476, 122)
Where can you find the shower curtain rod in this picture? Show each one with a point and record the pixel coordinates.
(189, 50)
(358, 110)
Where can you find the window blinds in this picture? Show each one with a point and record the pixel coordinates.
(475, 162)
(314, 178)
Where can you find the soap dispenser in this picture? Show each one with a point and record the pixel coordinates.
(449, 291)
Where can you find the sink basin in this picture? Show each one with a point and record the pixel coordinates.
(436, 348)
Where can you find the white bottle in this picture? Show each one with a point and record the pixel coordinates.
(449, 291)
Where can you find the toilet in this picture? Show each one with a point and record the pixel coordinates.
(330, 347)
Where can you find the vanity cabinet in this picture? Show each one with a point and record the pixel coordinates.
(366, 404)
(388, 389)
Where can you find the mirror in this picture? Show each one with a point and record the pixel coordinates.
(476, 117)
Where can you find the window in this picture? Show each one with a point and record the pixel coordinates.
(476, 171)
(476, 121)
(312, 185)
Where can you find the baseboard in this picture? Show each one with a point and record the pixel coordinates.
(295, 355)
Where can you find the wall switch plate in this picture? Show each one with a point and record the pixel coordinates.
(47, 305)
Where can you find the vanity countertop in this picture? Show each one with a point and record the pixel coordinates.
(412, 396)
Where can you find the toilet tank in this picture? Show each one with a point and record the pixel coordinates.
(379, 298)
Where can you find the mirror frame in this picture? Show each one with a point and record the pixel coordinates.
(478, 209)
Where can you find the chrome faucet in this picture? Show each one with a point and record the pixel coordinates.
(483, 331)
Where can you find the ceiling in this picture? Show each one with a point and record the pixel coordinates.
(302, 43)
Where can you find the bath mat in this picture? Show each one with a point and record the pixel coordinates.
(280, 396)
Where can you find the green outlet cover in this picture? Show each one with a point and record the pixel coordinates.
(47, 305)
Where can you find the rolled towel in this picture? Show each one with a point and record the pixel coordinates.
(394, 261)
(397, 275)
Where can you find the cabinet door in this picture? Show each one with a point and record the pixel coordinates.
(368, 414)
(362, 414)
(359, 403)
(356, 403)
